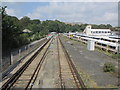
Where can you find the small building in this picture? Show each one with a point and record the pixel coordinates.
(96, 32)
(52, 33)
(26, 31)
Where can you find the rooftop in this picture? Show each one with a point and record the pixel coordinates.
(100, 30)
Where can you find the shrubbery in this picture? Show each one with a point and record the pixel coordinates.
(109, 67)
(116, 56)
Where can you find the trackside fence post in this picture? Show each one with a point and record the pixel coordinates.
(19, 52)
(11, 57)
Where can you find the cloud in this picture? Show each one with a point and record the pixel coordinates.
(58, 10)
(11, 12)
(34, 15)
(61, 1)
(86, 12)
(82, 12)
(108, 17)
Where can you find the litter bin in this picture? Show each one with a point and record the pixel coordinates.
(91, 45)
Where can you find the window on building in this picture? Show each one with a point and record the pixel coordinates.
(89, 27)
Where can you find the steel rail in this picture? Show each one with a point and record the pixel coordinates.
(7, 85)
(38, 67)
(78, 80)
(60, 75)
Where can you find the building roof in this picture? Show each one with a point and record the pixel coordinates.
(100, 29)
(27, 31)
(104, 37)
(102, 41)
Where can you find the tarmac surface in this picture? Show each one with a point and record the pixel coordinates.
(91, 62)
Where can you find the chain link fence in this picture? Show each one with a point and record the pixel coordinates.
(18, 54)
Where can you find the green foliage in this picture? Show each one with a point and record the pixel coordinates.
(24, 39)
(2, 11)
(101, 26)
(12, 29)
(24, 22)
(34, 28)
(83, 26)
(10, 32)
(36, 36)
(35, 21)
(116, 56)
(109, 67)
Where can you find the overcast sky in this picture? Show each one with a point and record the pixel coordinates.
(86, 12)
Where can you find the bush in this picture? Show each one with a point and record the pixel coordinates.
(109, 67)
(116, 56)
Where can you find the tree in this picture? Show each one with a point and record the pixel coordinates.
(109, 26)
(10, 32)
(35, 21)
(24, 22)
(83, 26)
(101, 26)
(2, 11)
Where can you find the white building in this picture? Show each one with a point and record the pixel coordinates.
(96, 32)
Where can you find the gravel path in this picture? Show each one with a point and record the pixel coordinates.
(91, 62)
(49, 73)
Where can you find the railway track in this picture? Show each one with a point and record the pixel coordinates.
(69, 76)
(27, 74)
